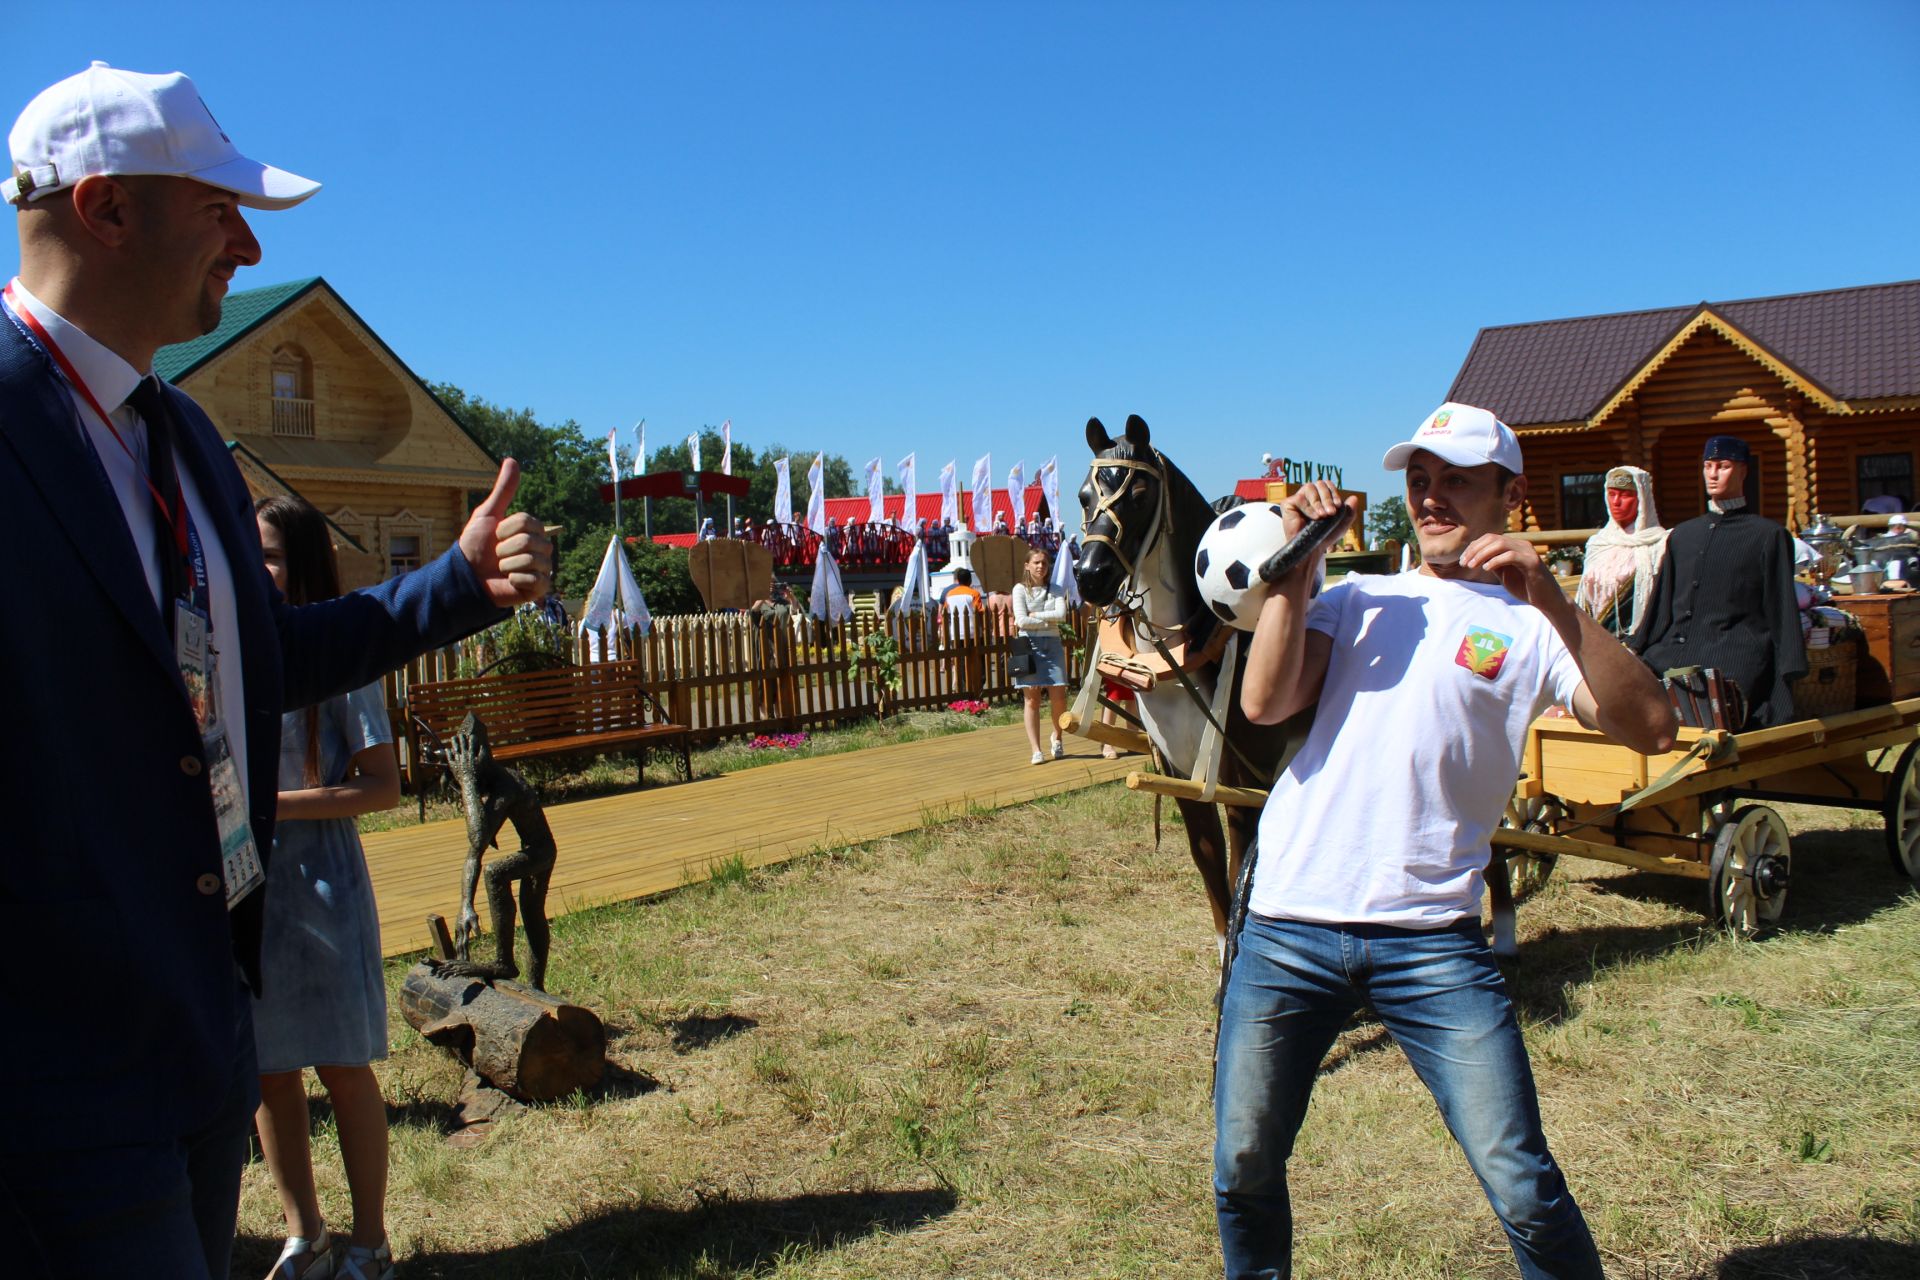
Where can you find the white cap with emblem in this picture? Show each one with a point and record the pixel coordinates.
(108, 121)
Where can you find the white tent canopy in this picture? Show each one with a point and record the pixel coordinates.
(828, 599)
(916, 591)
(615, 601)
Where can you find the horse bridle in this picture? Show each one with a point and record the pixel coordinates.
(1104, 507)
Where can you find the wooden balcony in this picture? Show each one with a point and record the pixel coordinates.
(293, 417)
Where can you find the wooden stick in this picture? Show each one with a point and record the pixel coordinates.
(442, 940)
(1187, 789)
(1097, 731)
(1535, 842)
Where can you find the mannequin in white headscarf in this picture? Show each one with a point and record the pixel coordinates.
(1623, 558)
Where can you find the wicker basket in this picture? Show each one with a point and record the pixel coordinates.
(1827, 688)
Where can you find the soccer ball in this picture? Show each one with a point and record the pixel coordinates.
(1227, 566)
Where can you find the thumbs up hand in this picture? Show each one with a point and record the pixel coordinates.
(510, 554)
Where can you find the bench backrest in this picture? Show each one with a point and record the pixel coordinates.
(533, 706)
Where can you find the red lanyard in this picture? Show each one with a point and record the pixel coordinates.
(176, 526)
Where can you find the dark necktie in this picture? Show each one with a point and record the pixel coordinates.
(176, 574)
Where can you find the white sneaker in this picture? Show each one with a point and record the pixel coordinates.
(1039, 757)
(1059, 749)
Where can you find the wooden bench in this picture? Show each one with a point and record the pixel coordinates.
(599, 707)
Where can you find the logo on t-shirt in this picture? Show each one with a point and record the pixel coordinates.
(1484, 652)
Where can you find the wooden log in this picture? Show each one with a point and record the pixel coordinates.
(533, 1045)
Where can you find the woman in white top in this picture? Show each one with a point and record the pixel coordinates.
(1038, 613)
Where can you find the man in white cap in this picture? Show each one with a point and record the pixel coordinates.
(1367, 886)
(140, 789)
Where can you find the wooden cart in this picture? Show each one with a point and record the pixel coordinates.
(1703, 810)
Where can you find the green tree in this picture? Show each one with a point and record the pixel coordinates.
(561, 469)
(1388, 518)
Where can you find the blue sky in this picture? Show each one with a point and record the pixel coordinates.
(959, 228)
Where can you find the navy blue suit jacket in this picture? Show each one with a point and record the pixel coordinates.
(120, 990)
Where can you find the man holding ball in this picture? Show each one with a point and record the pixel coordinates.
(1375, 838)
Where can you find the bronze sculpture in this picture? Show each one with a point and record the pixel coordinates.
(495, 795)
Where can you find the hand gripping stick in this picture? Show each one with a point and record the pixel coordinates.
(1318, 532)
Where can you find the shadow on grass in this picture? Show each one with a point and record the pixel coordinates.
(697, 1031)
(1823, 1258)
(721, 1235)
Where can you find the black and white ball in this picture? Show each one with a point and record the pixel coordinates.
(1227, 566)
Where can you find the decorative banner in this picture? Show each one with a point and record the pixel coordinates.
(817, 495)
(693, 449)
(726, 447)
(1017, 493)
(640, 448)
(876, 493)
(983, 494)
(1050, 490)
(782, 493)
(949, 499)
(613, 454)
(910, 505)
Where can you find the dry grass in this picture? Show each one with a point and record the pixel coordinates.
(982, 1050)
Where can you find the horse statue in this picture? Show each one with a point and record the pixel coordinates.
(1142, 520)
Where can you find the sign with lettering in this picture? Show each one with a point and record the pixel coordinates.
(1290, 471)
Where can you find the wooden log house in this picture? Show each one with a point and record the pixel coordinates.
(1824, 386)
(311, 401)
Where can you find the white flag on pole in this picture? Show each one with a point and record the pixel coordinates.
(817, 495)
(876, 493)
(949, 499)
(782, 493)
(1017, 493)
(726, 447)
(640, 448)
(693, 449)
(613, 454)
(910, 505)
(1050, 490)
(983, 494)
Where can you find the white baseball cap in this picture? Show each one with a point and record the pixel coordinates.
(107, 121)
(1462, 435)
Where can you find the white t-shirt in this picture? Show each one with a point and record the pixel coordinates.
(1384, 815)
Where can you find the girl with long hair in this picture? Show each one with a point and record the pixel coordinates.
(1038, 612)
(324, 1000)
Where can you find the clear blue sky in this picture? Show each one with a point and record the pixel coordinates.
(953, 229)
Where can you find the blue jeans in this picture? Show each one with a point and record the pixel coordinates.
(1440, 995)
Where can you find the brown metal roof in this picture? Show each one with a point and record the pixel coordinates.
(1861, 343)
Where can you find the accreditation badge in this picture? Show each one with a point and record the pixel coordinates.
(239, 857)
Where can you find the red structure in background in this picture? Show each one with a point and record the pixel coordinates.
(860, 547)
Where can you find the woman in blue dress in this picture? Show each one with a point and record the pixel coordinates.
(324, 1001)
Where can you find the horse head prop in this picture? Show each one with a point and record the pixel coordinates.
(1138, 514)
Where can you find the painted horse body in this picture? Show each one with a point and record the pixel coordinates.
(1142, 523)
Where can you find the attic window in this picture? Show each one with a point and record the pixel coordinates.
(292, 392)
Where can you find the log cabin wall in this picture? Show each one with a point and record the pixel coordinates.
(361, 440)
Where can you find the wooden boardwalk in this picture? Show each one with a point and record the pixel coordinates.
(617, 848)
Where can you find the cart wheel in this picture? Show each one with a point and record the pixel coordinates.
(1902, 812)
(1751, 867)
(1528, 872)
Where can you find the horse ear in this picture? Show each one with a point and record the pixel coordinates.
(1137, 433)
(1097, 437)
